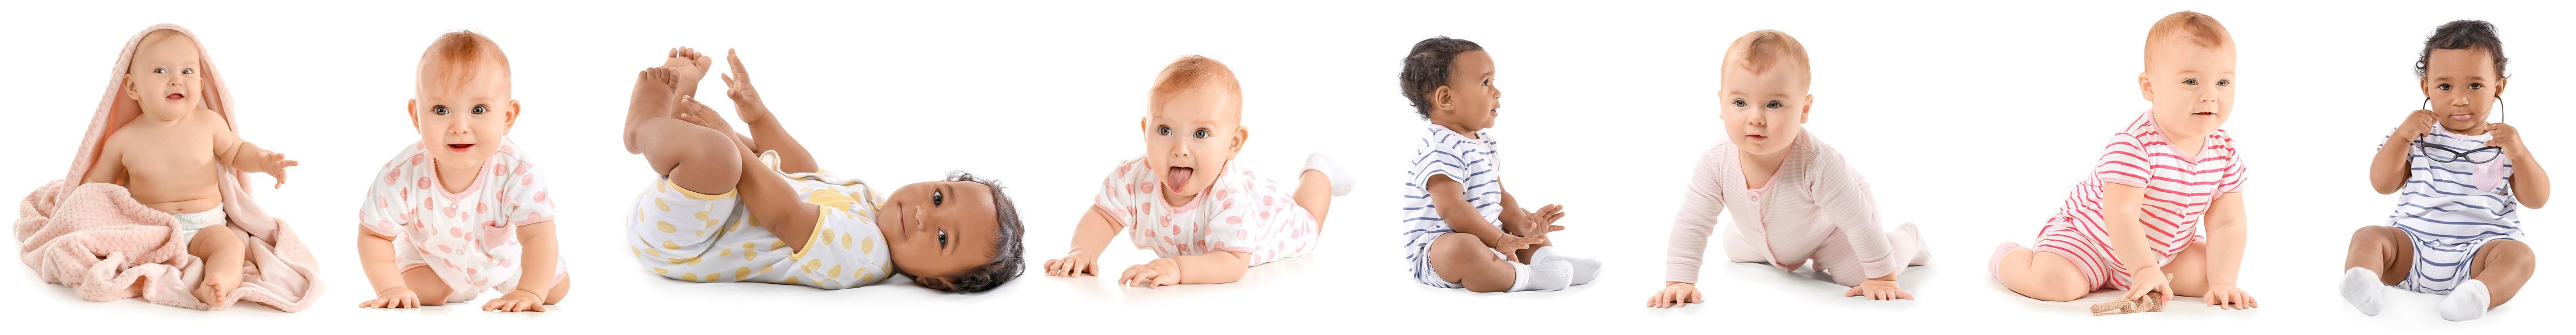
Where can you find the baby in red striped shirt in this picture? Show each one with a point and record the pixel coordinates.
(2137, 223)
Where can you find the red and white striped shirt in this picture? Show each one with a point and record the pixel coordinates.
(2179, 191)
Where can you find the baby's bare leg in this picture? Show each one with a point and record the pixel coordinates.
(2043, 276)
(1315, 194)
(2190, 270)
(2383, 250)
(425, 284)
(655, 97)
(223, 254)
(561, 288)
(1461, 259)
(2504, 265)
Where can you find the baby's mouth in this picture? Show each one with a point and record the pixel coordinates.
(2461, 117)
(175, 96)
(1176, 177)
(1757, 137)
(460, 147)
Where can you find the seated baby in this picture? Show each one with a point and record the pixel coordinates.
(170, 157)
(463, 210)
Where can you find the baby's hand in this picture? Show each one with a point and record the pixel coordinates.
(1158, 273)
(398, 297)
(1544, 221)
(746, 101)
(1674, 295)
(2227, 296)
(1879, 290)
(1077, 263)
(2505, 136)
(275, 164)
(2417, 124)
(1510, 245)
(2149, 282)
(517, 301)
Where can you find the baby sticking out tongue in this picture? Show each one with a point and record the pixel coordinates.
(1176, 178)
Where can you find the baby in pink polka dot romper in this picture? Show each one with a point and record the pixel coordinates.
(1204, 228)
(463, 210)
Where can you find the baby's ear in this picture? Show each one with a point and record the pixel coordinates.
(411, 111)
(2146, 89)
(1440, 99)
(1804, 109)
(2499, 87)
(510, 118)
(934, 283)
(130, 94)
(1241, 134)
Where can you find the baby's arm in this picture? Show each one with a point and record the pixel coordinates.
(2226, 251)
(1462, 217)
(537, 263)
(110, 167)
(2121, 206)
(1090, 236)
(2389, 168)
(1209, 268)
(376, 259)
(241, 155)
(1851, 207)
(2530, 183)
(1701, 204)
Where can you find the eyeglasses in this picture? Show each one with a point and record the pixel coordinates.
(2480, 155)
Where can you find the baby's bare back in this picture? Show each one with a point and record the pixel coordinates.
(171, 167)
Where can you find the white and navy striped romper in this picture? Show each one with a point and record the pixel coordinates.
(1470, 162)
(2452, 209)
(2179, 191)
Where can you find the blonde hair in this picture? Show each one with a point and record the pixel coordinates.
(2203, 31)
(1763, 50)
(456, 56)
(1193, 71)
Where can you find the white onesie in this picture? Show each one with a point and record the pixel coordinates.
(470, 239)
(696, 237)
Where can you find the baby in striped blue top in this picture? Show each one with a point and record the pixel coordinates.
(1204, 228)
(2459, 180)
(1466, 230)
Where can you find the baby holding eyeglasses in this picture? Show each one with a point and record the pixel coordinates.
(2460, 179)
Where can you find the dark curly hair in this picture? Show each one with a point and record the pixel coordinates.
(2462, 34)
(1006, 261)
(1427, 68)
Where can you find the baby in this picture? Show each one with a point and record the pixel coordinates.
(445, 223)
(721, 213)
(1793, 197)
(2135, 224)
(1467, 230)
(169, 157)
(1204, 228)
(2455, 232)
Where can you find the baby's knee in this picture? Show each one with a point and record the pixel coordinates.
(2511, 253)
(2370, 235)
(1456, 246)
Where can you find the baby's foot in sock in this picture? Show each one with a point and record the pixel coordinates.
(1341, 180)
(1585, 269)
(690, 66)
(2466, 302)
(2361, 288)
(654, 99)
(1546, 276)
(1995, 264)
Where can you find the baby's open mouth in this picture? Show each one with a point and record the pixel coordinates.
(460, 147)
(1176, 177)
(175, 96)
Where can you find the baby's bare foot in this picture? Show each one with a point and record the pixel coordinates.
(690, 66)
(655, 96)
(218, 283)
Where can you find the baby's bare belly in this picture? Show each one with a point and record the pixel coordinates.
(179, 202)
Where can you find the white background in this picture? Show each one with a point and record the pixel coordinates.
(1971, 119)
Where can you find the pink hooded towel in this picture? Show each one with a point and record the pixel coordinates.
(95, 239)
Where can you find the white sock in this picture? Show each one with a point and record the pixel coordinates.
(2361, 288)
(1341, 180)
(1549, 276)
(2467, 302)
(1585, 269)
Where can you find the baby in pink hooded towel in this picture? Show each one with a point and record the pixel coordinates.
(169, 157)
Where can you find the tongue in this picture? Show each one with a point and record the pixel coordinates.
(1176, 177)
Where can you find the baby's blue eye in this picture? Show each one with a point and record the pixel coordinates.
(2224, 82)
(1739, 103)
(1202, 133)
(2191, 81)
(1773, 104)
(478, 109)
(160, 71)
(187, 71)
(440, 110)
(1166, 131)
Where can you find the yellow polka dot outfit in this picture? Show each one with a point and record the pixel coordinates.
(689, 236)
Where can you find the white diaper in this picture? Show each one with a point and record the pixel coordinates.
(190, 223)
